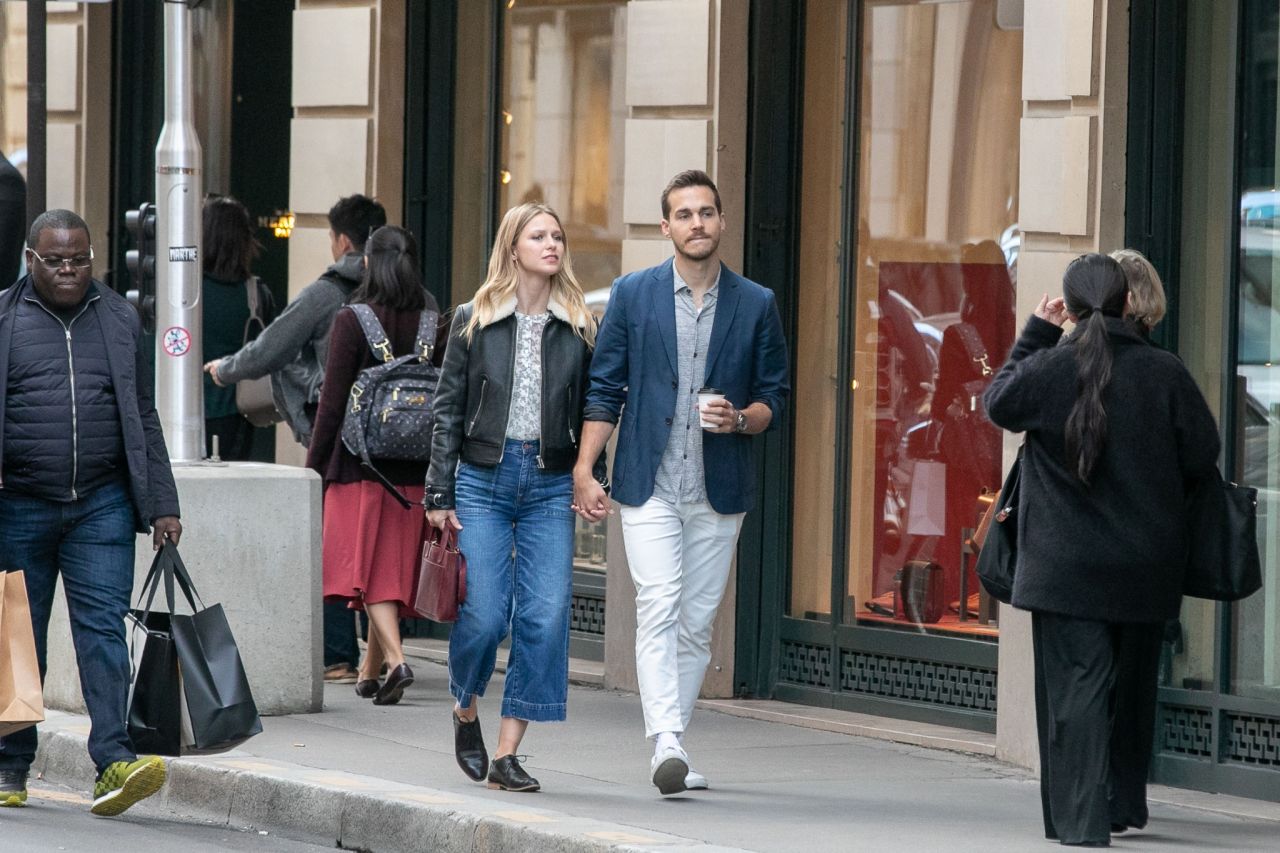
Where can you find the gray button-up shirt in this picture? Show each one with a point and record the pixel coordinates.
(680, 476)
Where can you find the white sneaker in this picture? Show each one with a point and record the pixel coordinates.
(668, 770)
(695, 781)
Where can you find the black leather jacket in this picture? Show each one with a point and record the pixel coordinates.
(474, 397)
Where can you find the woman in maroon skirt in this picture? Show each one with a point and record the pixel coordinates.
(372, 544)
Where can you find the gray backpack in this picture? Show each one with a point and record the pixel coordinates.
(389, 407)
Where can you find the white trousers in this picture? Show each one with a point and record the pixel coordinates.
(679, 557)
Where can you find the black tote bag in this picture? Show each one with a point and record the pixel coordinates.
(999, 554)
(155, 688)
(1222, 554)
(215, 707)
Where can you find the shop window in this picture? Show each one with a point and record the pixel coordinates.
(561, 123)
(935, 270)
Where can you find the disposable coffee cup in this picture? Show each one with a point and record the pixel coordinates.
(706, 395)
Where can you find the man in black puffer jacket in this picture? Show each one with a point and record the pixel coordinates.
(83, 466)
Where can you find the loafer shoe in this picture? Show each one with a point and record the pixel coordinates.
(367, 688)
(695, 781)
(340, 673)
(506, 774)
(468, 748)
(13, 788)
(668, 770)
(393, 688)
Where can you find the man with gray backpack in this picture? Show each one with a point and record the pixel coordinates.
(371, 444)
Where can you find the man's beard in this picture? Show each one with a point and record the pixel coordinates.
(701, 250)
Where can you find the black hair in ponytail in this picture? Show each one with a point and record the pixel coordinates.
(391, 276)
(1094, 287)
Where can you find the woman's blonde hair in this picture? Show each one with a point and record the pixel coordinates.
(500, 282)
(1146, 292)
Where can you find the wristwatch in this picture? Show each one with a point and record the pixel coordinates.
(741, 424)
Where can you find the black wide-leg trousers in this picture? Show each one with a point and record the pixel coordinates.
(1095, 716)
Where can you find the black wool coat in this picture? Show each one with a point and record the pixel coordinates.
(1114, 550)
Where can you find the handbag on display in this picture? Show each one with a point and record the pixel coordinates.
(442, 581)
(21, 696)
(253, 396)
(969, 442)
(997, 537)
(920, 596)
(1222, 555)
(189, 693)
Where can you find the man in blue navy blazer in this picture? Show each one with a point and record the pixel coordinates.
(683, 473)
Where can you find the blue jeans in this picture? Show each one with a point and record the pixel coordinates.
(517, 536)
(90, 541)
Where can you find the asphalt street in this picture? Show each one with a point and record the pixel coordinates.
(58, 818)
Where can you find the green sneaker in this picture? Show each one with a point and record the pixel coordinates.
(13, 788)
(124, 783)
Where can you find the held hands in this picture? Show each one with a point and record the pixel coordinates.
(211, 368)
(589, 499)
(1052, 310)
(721, 414)
(165, 527)
(438, 517)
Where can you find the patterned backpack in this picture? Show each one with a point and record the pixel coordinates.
(389, 411)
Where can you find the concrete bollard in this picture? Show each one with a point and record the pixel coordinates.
(251, 541)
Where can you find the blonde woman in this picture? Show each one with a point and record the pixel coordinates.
(508, 416)
(1146, 305)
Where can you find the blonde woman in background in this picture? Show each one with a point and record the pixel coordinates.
(508, 416)
(1146, 305)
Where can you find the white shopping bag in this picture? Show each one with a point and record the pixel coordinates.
(927, 505)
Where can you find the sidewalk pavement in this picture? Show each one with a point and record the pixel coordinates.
(384, 779)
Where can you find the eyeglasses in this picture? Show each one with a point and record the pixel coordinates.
(79, 262)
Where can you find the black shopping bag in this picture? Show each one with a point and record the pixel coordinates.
(155, 689)
(214, 707)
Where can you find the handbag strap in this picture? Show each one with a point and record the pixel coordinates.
(428, 323)
(167, 568)
(974, 347)
(373, 332)
(255, 307)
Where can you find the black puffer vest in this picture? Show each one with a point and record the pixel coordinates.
(62, 435)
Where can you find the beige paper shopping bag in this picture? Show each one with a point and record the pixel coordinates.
(21, 699)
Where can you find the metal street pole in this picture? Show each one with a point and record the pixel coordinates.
(179, 193)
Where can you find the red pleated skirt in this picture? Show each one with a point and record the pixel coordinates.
(372, 545)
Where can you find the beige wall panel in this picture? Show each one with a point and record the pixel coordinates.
(328, 159)
(63, 167)
(331, 57)
(1053, 189)
(309, 255)
(1057, 41)
(667, 53)
(1039, 273)
(61, 7)
(64, 71)
(641, 254)
(655, 150)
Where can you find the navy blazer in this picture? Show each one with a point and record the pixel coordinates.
(635, 364)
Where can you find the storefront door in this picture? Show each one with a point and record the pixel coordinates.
(1219, 716)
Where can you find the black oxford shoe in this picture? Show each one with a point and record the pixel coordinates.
(506, 774)
(468, 747)
(391, 690)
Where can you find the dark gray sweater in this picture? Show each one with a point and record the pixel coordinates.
(1113, 551)
(293, 348)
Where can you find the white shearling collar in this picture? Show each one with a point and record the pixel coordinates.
(508, 307)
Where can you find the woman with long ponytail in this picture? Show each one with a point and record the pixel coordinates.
(1116, 434)
(371, 543)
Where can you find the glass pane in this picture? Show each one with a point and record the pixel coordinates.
(1255, 642)
(1207, 199)
(821, 255)
(562, 119)
(941, 105)
(563, 115)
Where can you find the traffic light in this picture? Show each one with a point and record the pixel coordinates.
(141, 261)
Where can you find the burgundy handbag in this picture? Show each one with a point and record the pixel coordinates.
(442, 582)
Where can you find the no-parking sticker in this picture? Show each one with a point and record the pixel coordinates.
(176, 341)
